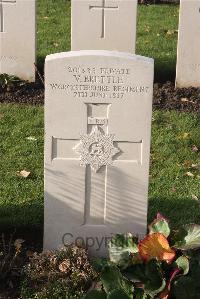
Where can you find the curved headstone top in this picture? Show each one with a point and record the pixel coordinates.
(125, 55)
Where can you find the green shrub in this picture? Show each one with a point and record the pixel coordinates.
(165, 265)
(8, 82)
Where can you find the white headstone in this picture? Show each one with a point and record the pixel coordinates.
(188, 56)
(17, 38)
(97, 141)
(104, 25)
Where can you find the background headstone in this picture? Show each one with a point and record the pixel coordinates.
(188, 56)
(17, 38)
(98, 111)
(104, 25)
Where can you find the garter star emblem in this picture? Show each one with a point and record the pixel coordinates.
(96, 149)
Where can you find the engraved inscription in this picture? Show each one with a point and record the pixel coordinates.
(2, 58)
(2, 2)
(195, 66)
(99, 83)
(102, 8)
(97, 121)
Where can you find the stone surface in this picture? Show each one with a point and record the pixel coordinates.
(17, 38)
(98, 107)
(188, 57)
(104, 25)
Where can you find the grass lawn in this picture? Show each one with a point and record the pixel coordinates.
(21, 199)
(157, 38)
(171, 192)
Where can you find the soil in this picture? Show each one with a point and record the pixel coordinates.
(166, 97)
(29, 93)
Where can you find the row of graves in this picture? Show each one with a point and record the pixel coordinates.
(98, 110)
(114, 30)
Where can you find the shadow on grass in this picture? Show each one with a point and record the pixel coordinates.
(164, 71)
(179, 211)
(40, 64)
(24, 221)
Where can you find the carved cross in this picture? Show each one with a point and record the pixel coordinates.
(103, 7)
(96, 181)
(1, 12)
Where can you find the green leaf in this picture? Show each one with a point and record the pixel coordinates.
(185, 288)
(96, 294)
(188, 238)
(99, 264)
(150, 275)
(139, 294)
(121, 248)
(136, 272)
(183, 263)
(155, 283)
(118, 294)
(160, 225)
(188, 287)
(112, 279)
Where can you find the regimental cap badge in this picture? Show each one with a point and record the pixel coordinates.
(96, 149)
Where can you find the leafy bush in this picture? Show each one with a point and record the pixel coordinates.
(163, 265)
(8, 82)
(65, 273)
